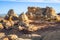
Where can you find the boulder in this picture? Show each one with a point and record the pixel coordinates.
(6, 38)
(20, 28)
(12, 36)
(33, 28)
(1, 26)
(7, 24)
(2, 34)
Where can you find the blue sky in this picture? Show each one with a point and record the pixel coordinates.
(21, 6)
(48, 1)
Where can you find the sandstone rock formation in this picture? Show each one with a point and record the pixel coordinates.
(33, 20)
(37, 13)
(25, 21)
(12, 37)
